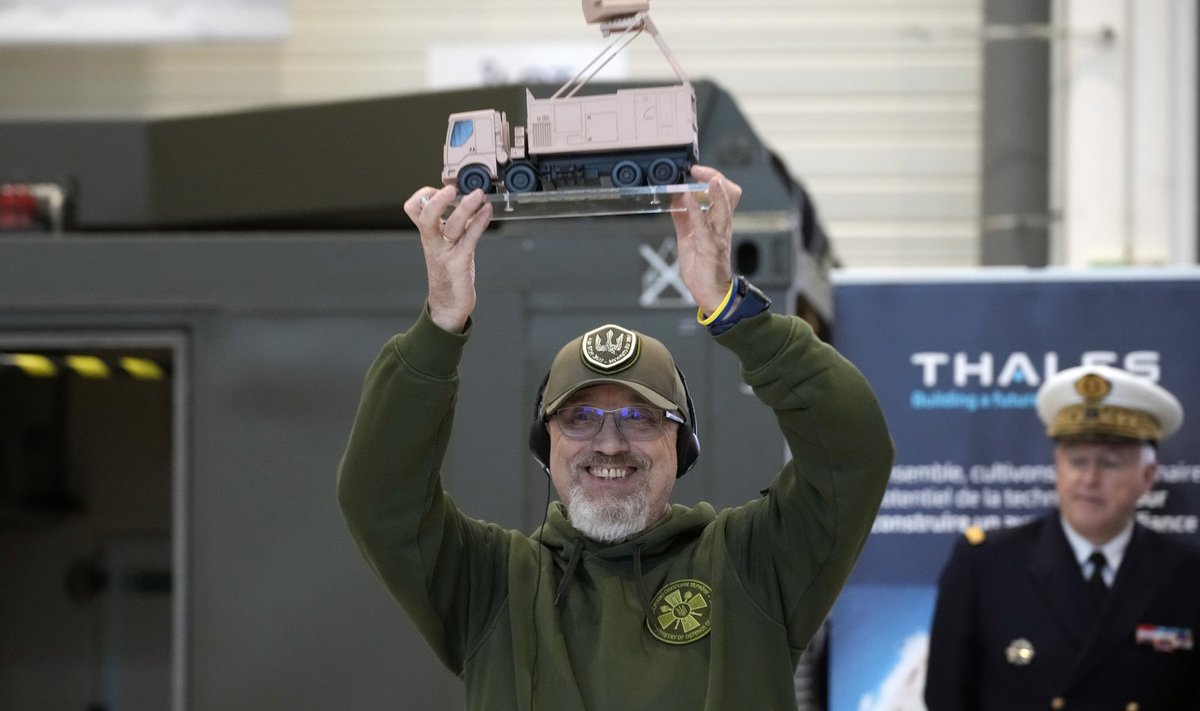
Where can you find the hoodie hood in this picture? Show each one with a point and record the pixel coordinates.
(679, 527)
(680, 524)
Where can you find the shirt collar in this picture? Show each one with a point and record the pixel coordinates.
(1113, 550)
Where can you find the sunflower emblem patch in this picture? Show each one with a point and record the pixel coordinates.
(680, 612)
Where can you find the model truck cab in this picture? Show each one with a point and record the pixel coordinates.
(477, 145)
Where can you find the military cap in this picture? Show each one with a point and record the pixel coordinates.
(1102, 402)
(613, 354)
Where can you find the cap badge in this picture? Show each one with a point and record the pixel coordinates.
(1093, 387)
(681, 612)
(610, 348)
(1019, 652)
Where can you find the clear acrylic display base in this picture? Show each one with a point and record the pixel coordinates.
(591, 202)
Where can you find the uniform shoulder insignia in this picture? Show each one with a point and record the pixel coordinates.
(974, 535)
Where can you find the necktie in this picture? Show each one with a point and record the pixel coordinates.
(1097, 588)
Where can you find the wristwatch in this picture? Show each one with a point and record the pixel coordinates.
(751, 301)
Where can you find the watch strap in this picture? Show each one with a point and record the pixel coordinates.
(749, 301)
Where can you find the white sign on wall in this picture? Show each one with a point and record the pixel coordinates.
(453, 66)
(140, 21)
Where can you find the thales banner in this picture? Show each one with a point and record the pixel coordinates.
(956, 362)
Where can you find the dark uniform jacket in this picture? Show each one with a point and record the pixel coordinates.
(1011, 628)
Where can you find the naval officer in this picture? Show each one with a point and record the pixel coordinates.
(1083, 608)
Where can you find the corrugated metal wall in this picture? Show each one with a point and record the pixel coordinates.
(874, 104)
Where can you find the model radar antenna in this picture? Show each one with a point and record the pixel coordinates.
(626, 19)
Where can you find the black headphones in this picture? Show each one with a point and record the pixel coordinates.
(687, 440)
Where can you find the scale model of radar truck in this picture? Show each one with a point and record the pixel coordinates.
(642, 136)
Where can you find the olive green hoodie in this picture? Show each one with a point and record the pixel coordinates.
(704, 611)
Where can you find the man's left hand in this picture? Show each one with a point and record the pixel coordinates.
(704, 238)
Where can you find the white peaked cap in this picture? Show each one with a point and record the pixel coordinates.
(1102, 402)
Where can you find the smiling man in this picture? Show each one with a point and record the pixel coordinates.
(623, 599)
(612, 450)
(1083, 608)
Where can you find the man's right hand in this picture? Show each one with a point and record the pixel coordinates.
(449, 247)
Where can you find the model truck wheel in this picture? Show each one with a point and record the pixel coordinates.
(626, 174)
(520, 178)
(474, 177)
(663, 171)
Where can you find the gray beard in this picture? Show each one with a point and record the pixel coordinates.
(609, 520)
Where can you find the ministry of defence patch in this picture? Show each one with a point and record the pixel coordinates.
(680, 612)
(610, 348)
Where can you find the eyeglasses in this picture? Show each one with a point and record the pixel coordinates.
(634, 423)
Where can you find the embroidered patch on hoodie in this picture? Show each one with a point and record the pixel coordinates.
(681, 612)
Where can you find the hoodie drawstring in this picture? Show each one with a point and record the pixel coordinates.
(569, 576)
(568, 579)
(641, 586)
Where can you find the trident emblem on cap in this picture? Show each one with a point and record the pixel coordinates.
(609, 349)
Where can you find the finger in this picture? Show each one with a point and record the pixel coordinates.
(720, 211)
(733, 192)
(475, 228)
(426, 208)
(681, 213)
(703, 173)
(415, 204)
(706, 174)
(699, 214)
(433, 205)
(455, 225)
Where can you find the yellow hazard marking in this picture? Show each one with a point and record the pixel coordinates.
(85, 366)
(88, 366)
(141, 368)
(37, 366)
